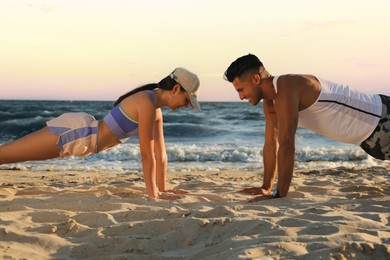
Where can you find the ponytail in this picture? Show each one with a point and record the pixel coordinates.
(166, 83)
(136, 90)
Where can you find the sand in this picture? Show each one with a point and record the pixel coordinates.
(329, 214)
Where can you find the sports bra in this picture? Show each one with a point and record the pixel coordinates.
(121, 125)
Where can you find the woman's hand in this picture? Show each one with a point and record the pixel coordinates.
(171, 197)
(177, 191)
(168, 197)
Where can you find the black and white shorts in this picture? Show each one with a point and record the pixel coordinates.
(378, 143)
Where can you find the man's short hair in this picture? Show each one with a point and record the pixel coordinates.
(242, 65)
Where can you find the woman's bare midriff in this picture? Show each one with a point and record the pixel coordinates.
(106, 138)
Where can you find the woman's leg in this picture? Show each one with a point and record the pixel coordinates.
(39, 145)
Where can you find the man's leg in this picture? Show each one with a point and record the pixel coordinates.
(378, 144)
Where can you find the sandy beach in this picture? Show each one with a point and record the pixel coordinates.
(337, 213)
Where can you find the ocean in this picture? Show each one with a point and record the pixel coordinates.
(222, 136)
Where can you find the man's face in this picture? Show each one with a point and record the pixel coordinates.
(246, 89)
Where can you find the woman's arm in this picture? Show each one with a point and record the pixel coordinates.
(146, 122)
(162, 159)
(160, 152)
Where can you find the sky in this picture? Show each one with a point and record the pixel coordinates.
(98, 50)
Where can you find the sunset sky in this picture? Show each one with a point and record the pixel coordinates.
(97, 50)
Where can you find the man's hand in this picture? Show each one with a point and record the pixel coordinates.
(261, 198)
(254, 191)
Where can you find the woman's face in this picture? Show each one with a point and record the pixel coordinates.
(180, 98)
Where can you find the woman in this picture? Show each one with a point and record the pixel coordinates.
(135, 113)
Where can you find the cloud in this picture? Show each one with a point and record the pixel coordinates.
(47, 9)
(213, 75)
(366, 64)
(132, 63)
(43, 8)
(327, 25)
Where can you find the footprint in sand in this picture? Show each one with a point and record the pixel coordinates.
(6, 192)
(362, 251)
(358, 188)
(311, 188)
(319, 230)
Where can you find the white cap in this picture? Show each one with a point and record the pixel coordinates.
(190, 82)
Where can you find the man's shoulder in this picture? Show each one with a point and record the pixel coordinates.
(293, 82)
(268, 106)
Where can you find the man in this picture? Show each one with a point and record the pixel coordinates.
(327, 108)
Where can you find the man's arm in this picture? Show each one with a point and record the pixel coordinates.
(269, 151)
(270, 145)
(286, 107)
